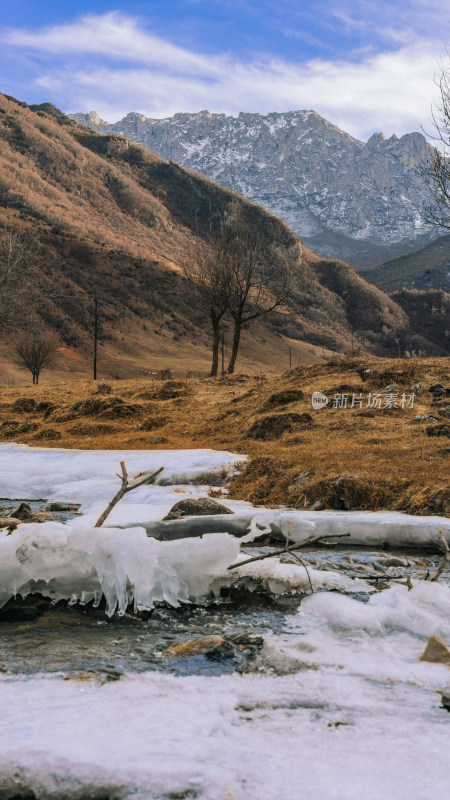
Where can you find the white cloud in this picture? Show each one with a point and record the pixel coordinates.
(116, 66)
(403, 21)
(115, 37)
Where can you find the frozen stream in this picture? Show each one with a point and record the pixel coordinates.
(335, 705)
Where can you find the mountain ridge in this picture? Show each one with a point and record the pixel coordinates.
(362, 202)
(427, 268)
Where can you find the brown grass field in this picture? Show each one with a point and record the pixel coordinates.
(356, 458)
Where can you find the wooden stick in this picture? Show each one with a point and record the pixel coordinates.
(305, 566)
(144, 479)
(289, 549)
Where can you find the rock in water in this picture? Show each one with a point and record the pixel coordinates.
(206, 645)
(217, 646)
(71, 507)
(436, 651)
(196, 507)
(25, 513)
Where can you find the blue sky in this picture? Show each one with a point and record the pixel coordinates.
(364, 65)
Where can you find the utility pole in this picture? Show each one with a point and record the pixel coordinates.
(95, 334)
(223, 353)
(77, 297)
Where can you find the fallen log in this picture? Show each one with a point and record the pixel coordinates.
(191, 527)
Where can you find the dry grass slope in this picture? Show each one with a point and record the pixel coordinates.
(110, 215)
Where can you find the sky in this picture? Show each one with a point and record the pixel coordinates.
(365, 65)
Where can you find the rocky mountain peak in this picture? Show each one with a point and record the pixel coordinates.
(359, 201)
(94, 119)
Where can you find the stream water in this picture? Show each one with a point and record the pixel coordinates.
(73, 639)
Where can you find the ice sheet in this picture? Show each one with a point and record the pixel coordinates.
(280, 578)
(371, 528)
(79, 563)
(90, 476)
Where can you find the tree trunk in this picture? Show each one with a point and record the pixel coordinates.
(215, 348)
(235, 345)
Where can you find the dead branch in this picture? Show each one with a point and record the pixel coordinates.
(305, 566)
(379, 577)
(445, 557)
(141, 479)
(290, 548)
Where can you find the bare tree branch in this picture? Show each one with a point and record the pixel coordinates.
(259, 277)
(237, 271)
(15, 278)
(290, 548)
(436, 170)
(141, 479)
(23, 284)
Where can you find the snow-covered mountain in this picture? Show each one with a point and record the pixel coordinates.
(359, 201)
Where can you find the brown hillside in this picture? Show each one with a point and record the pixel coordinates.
(109, 215)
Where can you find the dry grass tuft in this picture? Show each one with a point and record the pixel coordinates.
(273, 426)
(171, 390)
(283, 398)
(345, 492)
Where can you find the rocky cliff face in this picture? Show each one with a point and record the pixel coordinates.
(361, 202)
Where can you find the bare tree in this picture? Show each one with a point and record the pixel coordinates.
(35, 351)
(15, 276)
(237, 272)
(437, 169)
(207, 267)
(259, 279)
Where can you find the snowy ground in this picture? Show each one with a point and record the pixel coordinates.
(355, 714)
